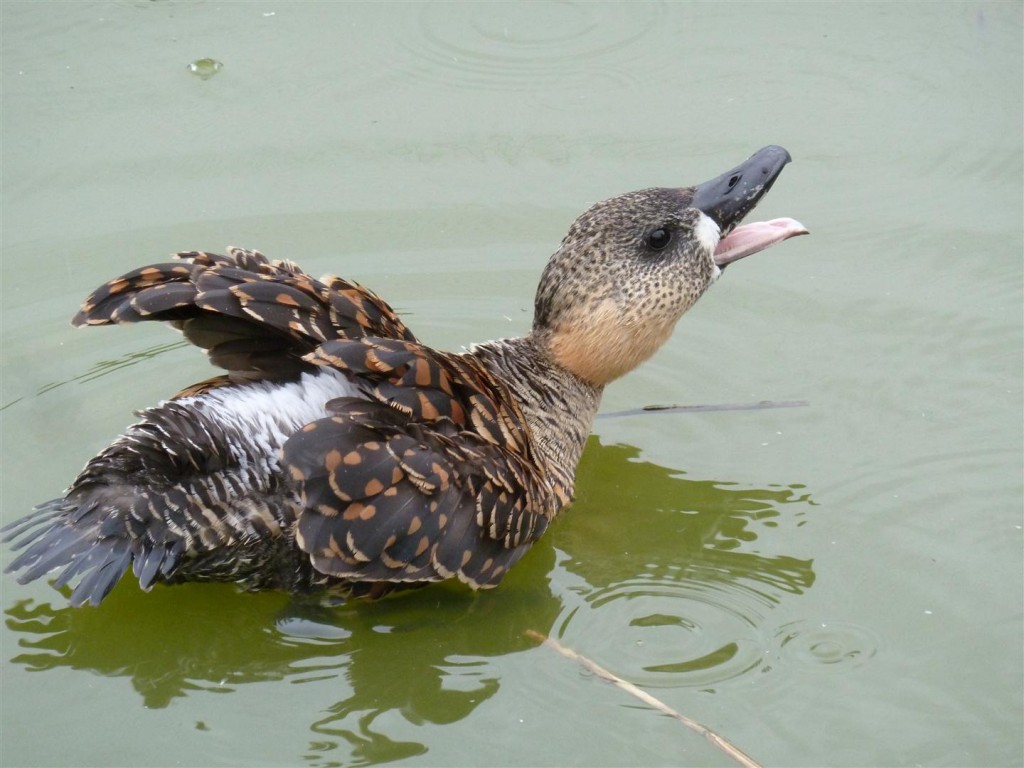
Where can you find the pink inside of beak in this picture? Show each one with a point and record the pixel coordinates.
(751, 238)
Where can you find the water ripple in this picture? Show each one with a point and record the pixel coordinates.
(496, 47)
(817, 644)
(675, 631)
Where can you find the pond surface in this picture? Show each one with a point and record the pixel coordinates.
(833, 583)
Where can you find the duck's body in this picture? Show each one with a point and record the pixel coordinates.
(338, 450)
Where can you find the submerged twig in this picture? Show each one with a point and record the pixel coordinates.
(761, 405)
(592, 666)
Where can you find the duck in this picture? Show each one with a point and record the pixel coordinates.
(338, 452)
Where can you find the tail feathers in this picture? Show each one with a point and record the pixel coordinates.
(157, 561)
(111, 560)
(50, 542)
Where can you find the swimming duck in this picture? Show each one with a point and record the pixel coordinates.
(340, 452)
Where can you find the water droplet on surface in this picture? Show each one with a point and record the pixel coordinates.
(205, 68)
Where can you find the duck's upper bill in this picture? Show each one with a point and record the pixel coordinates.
(729, 197)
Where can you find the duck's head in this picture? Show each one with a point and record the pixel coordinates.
(632, 265)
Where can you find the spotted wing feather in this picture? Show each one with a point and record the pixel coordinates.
(387, 499)
(113, 299)
(255, 317)
(428, 385)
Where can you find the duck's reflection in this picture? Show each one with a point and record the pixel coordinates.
(649, 517)
(640, 535)
(672, 581)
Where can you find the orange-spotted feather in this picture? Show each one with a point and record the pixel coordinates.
(385, 498)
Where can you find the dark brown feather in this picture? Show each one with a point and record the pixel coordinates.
(387, 498)
(255, 317)
(428, 386)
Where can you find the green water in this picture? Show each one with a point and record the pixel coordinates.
(836, 583)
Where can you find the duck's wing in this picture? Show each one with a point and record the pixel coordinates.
(255, 317)
(427, 385)
(430, 477)
(388, 500)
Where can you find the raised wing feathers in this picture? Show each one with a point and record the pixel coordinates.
(254, 316)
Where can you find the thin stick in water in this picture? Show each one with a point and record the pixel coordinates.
(661, 409)
(592, 666)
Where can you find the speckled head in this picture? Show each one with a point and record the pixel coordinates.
(632, 265)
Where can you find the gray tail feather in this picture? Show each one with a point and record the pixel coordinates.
(51, 541)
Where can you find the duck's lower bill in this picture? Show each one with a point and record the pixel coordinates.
(751, 238)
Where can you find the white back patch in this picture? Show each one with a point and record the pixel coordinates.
(265, 414)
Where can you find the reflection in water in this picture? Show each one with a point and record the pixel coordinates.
(181, 640)
(671, 564)
(659, 578)
(421, 655)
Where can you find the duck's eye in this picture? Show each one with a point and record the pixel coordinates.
(659, 238)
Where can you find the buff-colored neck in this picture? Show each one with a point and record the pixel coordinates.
(602, 346)
(558, 405)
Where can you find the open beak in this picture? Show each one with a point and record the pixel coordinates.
(731, 196)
